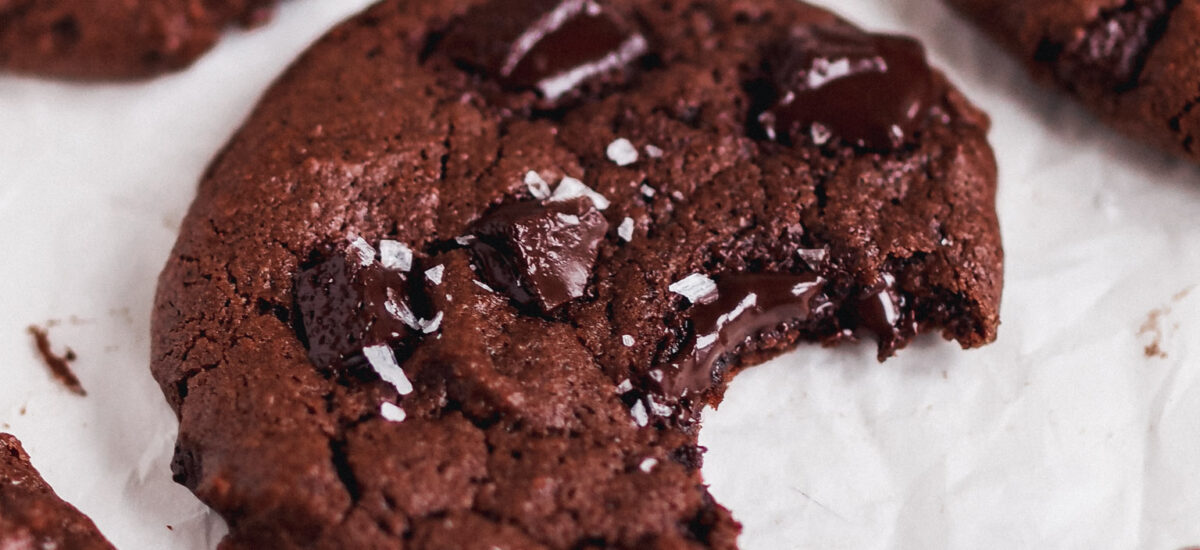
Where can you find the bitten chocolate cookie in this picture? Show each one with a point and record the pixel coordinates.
(471, 269)
(115, 39)
(1133, 62)
(31, 515)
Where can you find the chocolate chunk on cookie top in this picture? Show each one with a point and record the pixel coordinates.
(553, 46)
(837, 81)
(1133, 62)
(114, 39)
(540, 253)
(31, 515)
(471, 270)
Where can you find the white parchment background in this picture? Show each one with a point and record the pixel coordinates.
(1064, 434)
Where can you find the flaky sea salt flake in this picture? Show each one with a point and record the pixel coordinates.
(648, 191)
(392, 413)
(625, 386)
(434, 274)
(640, 417)
(400, 310)
(395, 255)
(366, 253)
(430, 326)
(537, 186)
(383, 360)
(654, 152)
(648, 465)
(622, 152)
(814, 257)
(627, 340)
(625, 230)
(695, 287)
(658, 408)
(570, 188)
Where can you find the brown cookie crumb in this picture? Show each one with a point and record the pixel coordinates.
(60, 366)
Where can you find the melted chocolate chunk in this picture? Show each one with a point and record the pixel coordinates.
(836, 81)
(1112, 50)
(349, 302)
(881, 310)
(553, 46)
(540, 253)
(743, 306)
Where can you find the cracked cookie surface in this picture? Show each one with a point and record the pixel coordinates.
(1133, 62)
(115, 39)
(544, 265)
(31, 514)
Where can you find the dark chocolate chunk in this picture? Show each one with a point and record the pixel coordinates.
(552, 46)
(743, 306)
(1111, 51)
(881, 310)
(871, 90)
(540, 253)
(350, 302)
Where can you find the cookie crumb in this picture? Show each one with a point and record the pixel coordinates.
(59, 366)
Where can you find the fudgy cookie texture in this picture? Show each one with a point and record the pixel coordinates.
(115, 39)
(31, 515)
(1133, 62)
(471, 269)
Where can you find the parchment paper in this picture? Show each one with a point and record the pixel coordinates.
(1079, 428)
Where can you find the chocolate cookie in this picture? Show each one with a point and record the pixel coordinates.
(106, 39)
(31, 515)
(1133, 62)
(469, 272)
